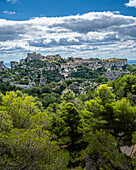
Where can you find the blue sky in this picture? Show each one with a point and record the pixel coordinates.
(79, 28)
(26, 9)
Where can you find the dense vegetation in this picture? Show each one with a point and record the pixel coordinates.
(84, 72)
(75, 123)
(49, 128)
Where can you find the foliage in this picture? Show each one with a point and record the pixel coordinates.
(52, 75)
(68, 95)
(103, 153)
(25, 140)
(56, 127)
(125, 116)
(123, 86)
(101, 109)
(6, 121)
(30, 149)
(117, 118)
(71, 118)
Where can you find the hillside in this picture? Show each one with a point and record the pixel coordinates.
(37, 70)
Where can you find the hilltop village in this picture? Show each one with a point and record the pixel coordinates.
(81, 111)
(37, 69)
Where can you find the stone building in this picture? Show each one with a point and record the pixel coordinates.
(22, 61)
(56, 57)
(117, 63)
(34, 56)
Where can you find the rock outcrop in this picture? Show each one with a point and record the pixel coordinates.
(2, 66)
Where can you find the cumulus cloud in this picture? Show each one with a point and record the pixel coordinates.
(132, 3)
(95, 22)
(53, 42)
(9, 12)
(91, 34)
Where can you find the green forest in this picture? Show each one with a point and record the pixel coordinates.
(58, 128)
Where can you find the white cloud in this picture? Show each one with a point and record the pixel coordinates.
(12, 1)
(132, 3)
(98, 34)
(9, 12)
